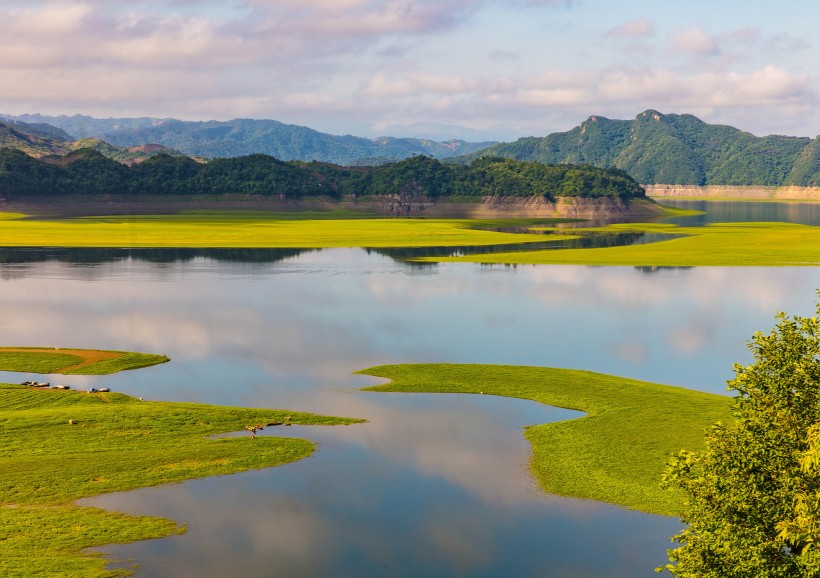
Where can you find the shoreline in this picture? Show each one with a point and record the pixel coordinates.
(733, 193)
(388, 206)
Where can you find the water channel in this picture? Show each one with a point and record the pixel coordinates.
(432, 485)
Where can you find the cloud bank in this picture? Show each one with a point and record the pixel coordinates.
(348, 65)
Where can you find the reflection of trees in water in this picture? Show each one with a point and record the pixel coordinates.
(657, 268)
(87, 257)
(586, 240)
(98, 256)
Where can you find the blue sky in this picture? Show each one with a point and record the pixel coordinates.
(475, 69)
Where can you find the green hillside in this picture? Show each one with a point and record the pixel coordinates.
(675, 149)
(242, 137)
(46, 141)
(89, 172)
(14, 137)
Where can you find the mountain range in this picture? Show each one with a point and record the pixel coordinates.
(674, 149)
(654, 148)
(44, 140)
(240, 137)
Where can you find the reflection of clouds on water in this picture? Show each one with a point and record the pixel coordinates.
(432, 481)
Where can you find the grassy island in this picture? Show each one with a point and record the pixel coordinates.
(74, 361)
(58, 446)
(615, 454)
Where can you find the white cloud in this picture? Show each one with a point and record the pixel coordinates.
(697, 41)
(640, 28)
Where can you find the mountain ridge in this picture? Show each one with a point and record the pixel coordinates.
(243, 136)
(674, 149)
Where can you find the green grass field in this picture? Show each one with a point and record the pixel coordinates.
(59, 446)
(616, 453)
(732, 244)
(247, 230)
(73, 361)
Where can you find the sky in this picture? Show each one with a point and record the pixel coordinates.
(471, 69)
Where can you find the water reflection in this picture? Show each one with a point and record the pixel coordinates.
(744, 212)
(432, 485)
(442, 494)
(92, 257)
(96, 256)
(585, 240)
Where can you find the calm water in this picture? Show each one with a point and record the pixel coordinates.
(748, 212)
(432, 485)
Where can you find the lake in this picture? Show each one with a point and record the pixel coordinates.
(432, 485)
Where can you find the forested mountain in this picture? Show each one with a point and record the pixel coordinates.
(16, 136)
(241, 137)
(88, 172)
(43, 140)
(675, 149)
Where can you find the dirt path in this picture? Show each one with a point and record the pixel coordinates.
(88, 356)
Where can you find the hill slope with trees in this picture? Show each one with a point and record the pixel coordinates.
(88, 172)
(242, 137)
(675, 149)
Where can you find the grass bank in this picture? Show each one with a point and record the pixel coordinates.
(615, 454)
(49, 360)
(730, 244)
(247, 229)
(59, 446)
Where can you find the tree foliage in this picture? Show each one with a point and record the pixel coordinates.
(754, 492)
(86, 171)
(674, 149)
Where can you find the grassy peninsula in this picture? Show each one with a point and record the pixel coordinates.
(616, 453)
(59, 446)
(727, 244)
(74, 361)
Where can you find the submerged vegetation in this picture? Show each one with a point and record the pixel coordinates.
(74, 361)
(616, 453)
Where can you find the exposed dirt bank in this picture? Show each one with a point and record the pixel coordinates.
(488, 207)
(731, 192)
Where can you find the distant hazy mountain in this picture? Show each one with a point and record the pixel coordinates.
(80, 126)
(675, 149)
(43, 140)
(31, 139)
(241, 137)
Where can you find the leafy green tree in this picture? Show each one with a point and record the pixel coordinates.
(753, 506)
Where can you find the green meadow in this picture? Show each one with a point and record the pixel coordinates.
(247, 230)
(616, 453)
(74, 361)
(729, 244)
(59, 446)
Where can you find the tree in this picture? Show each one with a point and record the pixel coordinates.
(753, 507)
